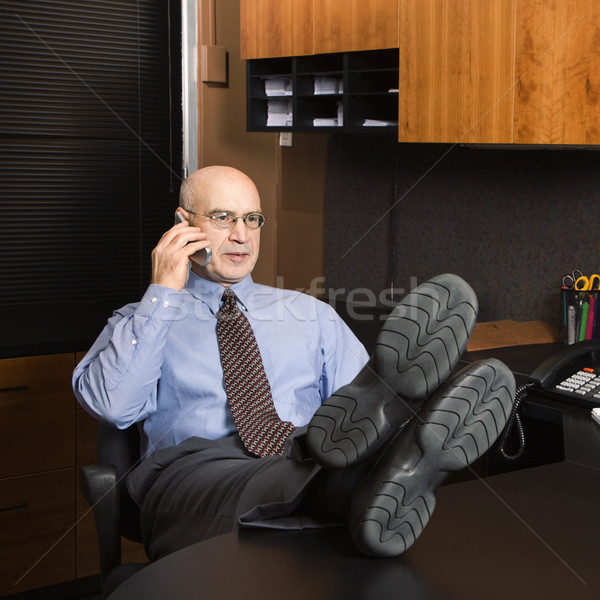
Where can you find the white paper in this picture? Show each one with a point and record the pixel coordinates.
(278, 86)
(279, 113)
(325, 122)
(377, 123)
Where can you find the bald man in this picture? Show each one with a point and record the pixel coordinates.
(205, 195)
(356, 451)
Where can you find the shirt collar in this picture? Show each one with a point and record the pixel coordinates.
(211, 292)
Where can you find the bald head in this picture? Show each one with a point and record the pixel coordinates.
(209, 185)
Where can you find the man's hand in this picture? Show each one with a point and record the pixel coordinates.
(170, 258)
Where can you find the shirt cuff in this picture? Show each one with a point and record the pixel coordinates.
(162, 303)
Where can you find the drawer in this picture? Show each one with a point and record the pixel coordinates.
(37, 544)
(37, 414)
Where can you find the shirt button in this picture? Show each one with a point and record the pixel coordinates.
(134, 342)
(165, 304)
(154, 299)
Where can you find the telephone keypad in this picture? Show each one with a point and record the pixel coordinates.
(585, 382)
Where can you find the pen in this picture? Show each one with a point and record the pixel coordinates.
(589, 331)
(595, 325)
(583, 322)
(571, 324)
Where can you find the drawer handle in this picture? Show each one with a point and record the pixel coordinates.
(16, 507)
(16, 388)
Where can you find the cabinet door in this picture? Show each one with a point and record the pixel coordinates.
(355, 25)
(37, 544)
(558, 72)
(272, 28)
(456, 71)
(37, 414)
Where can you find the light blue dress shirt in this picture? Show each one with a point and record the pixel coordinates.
(157, 361)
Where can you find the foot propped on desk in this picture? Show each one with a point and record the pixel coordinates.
(394, 502)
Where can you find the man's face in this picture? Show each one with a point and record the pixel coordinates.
(234, 250)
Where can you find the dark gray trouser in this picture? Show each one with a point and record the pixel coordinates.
(203, 488)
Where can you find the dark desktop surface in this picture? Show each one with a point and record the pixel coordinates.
(521, 360)
(527, 534)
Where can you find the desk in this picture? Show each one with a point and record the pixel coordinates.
(527, 534)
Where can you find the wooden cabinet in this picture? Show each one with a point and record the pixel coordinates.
(37, 475)
(37, 545)
(456, 71)
(48, 534)
(470, 72)
(557, 74)
(272, 28)
(499, 72)
(37, 416)
(355, 25)
(275, 28)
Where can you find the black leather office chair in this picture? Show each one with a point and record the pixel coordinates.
(115, 512)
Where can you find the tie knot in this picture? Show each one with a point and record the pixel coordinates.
(228, 296)
(229, 301)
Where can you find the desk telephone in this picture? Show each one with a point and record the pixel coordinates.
(570, 375)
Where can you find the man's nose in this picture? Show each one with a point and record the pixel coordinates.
(239, 231)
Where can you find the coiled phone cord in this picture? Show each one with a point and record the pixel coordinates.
(514, 420)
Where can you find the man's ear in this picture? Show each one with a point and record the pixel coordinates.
(181, 215)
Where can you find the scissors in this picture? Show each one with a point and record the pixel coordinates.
(585, 284)
(570, 279)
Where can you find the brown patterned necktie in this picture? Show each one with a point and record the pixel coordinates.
(246, 384)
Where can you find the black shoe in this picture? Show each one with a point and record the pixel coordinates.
(416, 350)
(395, 499)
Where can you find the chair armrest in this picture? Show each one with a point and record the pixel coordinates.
(98, 484)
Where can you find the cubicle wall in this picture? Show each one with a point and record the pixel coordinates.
(510, 221)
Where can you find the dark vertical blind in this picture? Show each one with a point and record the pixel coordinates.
(90, 161)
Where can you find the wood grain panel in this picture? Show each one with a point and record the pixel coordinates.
(558, 72)
(37, 414)
(355, 25)
(456, 71)
(276, 28)
(37, 545)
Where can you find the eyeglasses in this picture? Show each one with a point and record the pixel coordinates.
(226, 220)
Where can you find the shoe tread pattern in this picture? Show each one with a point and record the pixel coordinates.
(425, 336)
(464, 420)
(416, 350)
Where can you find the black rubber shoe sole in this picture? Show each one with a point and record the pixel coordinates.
(395, 500)
(416, 350)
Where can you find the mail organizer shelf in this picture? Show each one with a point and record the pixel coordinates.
(345, 92)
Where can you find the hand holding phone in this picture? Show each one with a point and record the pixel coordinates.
(202, 257)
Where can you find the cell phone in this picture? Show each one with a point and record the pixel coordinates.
(202, 257)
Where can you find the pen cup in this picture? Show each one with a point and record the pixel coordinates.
(579, 319)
